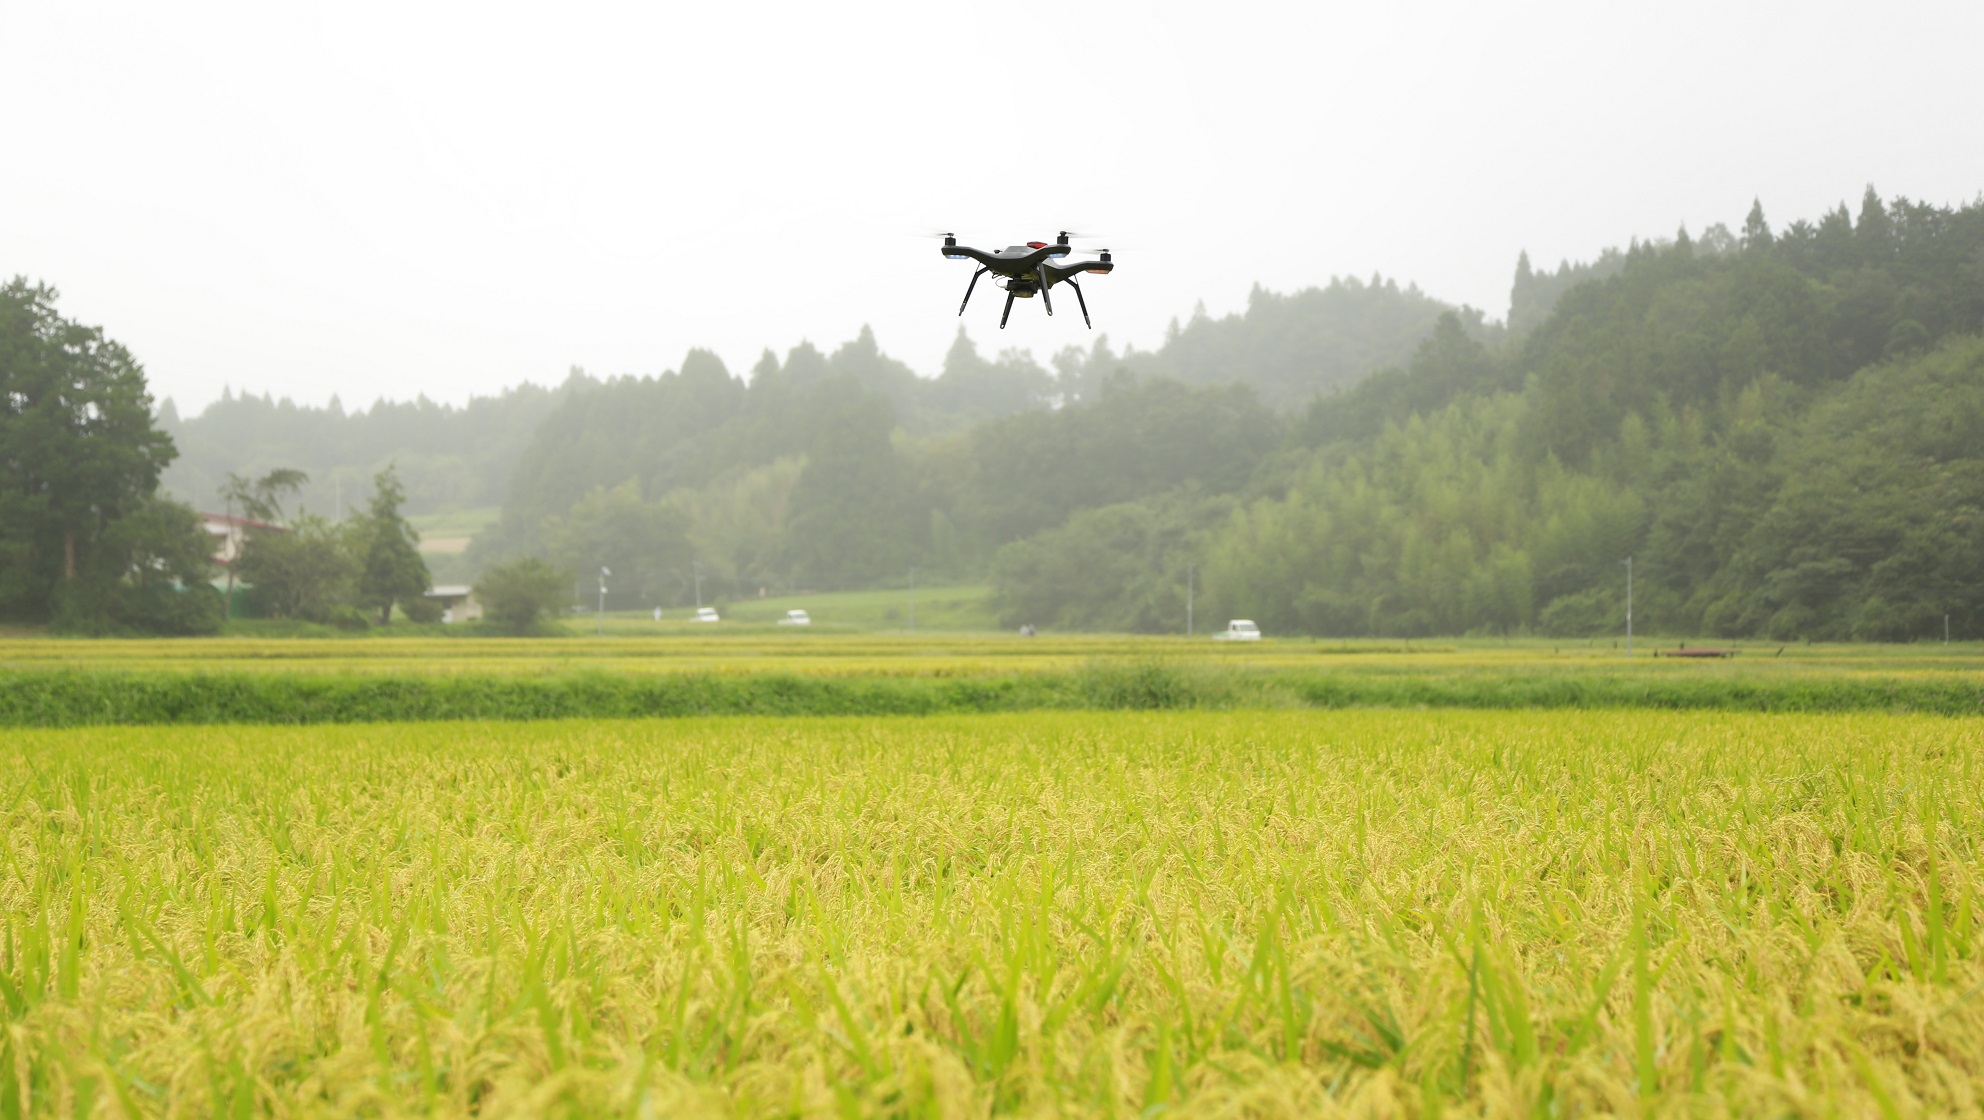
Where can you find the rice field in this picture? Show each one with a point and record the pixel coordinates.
(1384, 913)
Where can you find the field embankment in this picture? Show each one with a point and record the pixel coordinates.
(273, 681)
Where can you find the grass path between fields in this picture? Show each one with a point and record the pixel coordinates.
(67, 697)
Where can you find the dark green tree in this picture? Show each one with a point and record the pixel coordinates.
(392, 570)
(78, 451)
(158, 562)
(308, 572)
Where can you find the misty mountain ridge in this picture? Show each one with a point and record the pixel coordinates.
(1286, 348)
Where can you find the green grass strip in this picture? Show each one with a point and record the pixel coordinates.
(75, 698)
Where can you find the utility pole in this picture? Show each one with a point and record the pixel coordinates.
(697, 567)
(236, 537)
(603, 573)
(1946, 628)
(912, 598)
(1189, 571)
(1629, 606)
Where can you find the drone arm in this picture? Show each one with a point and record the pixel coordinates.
(968, 289)
(1056, 273)
(966, 253)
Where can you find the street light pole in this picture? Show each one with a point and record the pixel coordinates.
(603, 573)
(697, 567)
(1629, 606)
(1189, 571)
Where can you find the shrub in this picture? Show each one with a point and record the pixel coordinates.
(421, 609)
(515, 595)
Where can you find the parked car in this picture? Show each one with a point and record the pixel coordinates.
(1239, 630)
(795, 618)
(706, 614)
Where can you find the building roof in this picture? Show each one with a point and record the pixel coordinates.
(215, 519)
(450, 591)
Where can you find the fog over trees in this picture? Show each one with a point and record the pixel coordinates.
(1783, 426)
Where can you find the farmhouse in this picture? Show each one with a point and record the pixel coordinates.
(458, 602)
(229, 533)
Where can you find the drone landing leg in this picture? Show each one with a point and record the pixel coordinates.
(1007, 311)
(969, 287)
(1045, 298)
(1083, 300)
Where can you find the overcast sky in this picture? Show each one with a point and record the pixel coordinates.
(396, 198)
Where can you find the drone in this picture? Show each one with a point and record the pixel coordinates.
(1028, 270)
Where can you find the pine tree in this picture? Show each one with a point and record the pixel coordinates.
(1519, 291)
(393, 570)
(1756, 231)
(1873, 234)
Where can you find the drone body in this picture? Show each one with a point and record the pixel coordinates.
(1027, 270)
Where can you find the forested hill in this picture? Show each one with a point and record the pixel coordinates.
(709, 462)
(1288, 348)
(1784, 431)
(450, 457)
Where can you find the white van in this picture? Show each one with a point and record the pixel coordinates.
(706, 614)
(796, 618)
(1239, 630)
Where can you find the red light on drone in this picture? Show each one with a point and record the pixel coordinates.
(1036, 244)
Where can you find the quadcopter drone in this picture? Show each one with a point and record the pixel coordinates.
(1027, 270)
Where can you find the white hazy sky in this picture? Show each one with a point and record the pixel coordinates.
(373, 199)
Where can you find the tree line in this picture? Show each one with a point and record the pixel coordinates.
(1781, 428)
(89, 544)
